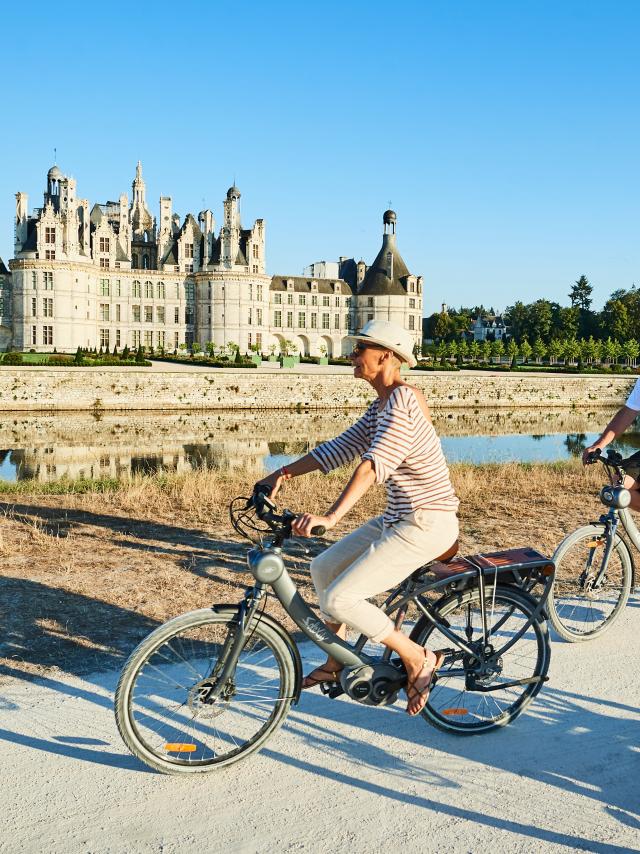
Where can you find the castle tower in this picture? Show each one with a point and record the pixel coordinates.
(231, 228)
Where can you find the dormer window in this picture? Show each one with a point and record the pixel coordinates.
(49, 235)
(314, 286)
(289, 285)
(104, 244)
(188, 250)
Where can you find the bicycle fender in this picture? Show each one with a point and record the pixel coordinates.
(597, 529)
(282, 633)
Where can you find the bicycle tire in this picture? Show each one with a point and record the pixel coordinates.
(185, 736)
(452, 707)
(577, 614)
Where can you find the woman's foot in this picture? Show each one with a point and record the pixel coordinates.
(419, 681)
(321, 675)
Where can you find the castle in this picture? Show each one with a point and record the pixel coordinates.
(114, 276)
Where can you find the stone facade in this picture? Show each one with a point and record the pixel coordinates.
(114, 276)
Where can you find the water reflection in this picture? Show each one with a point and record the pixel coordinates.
(118, 445)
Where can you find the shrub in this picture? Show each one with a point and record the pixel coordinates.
(12, 359)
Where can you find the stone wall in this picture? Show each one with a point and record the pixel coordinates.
(24, 389)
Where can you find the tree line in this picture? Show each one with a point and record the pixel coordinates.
(543, 322)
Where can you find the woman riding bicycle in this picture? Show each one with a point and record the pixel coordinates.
(399, 447)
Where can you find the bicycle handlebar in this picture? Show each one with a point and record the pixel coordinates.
(279, 523)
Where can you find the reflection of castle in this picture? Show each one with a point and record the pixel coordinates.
(116, 276)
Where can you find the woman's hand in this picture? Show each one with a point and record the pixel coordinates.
(303, 524)
(274, 481)
(588, 451)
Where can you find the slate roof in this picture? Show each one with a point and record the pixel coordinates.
(376, 281)
(31, 243)
(301, 284)
(3, 269)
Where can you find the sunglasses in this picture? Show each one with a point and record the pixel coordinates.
(360, 347)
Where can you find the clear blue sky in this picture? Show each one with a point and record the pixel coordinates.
(505, 134)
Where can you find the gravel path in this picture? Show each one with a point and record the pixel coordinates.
(340, 777)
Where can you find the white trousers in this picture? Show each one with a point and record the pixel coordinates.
(375, 558)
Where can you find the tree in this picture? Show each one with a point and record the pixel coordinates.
(615, 319)
(565, 322)
(512, 352)
(485, 351)
(497, 350)
(555, 351)
(516, 317)
(525, 350)
(540, 316)
(630, 351)
(570, 350)
(539, 350)
(452, 349)
(441, 326)
(611, 350)
(474, 350)
(463, 349)
(211, 349)
(580, 294)
(140, 354)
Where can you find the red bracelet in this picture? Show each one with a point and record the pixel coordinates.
(285, 473)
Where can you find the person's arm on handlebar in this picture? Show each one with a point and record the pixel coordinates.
(362, 479)
(616, 427)
(301, 466)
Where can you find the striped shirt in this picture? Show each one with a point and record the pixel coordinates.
(405, 451)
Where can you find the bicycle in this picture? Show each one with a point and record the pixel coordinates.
(210, 687)
(594, 566)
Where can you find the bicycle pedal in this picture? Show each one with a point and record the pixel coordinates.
(333, 691)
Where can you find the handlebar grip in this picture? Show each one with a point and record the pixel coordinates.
(594, 456)
(319, 531)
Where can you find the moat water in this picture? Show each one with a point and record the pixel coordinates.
(119, 445)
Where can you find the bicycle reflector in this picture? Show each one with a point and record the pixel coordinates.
(452, 712)
(180, 748)
(593, 544)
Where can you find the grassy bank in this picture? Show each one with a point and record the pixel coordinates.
(90, 567)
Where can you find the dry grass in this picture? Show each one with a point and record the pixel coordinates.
(84, 575)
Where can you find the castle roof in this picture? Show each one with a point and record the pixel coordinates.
(377, 281)
(301, 284)
(3, 269)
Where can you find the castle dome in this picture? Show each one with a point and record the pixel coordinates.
(389, 217)
(54, 174)
(233, 192)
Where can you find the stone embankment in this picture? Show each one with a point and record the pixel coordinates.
(26, 389)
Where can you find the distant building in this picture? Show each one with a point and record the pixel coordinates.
(490, 326)
(115, 276)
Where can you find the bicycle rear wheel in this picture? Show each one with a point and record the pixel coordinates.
(161, 700)
(457, 702)
(579, 607)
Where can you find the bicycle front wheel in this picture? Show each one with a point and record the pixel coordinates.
(585, 601)
(163, 707)
(466, 699)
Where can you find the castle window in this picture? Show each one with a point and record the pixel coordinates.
(277, 298)
(176, 340)
(176, 315)
(289, 299)
(412, 287)
(314, 300)
(148, 290)
(277, 318)
(188, 268)
(188, 315)
(256, 251)
(47, 307)
(47, 335)
(369, 317)
(412, 303)
(347, 302)
(336, 321)
(160, 314)
(134, 260)
(136, 313)
(104, 311)
(249, 316)
(290, 319)
(314, 321)
(189, 290)
(259, 316)
(104, 287)
(148, 314)
(34, 281)
(104, 263)
(161, 340)
(254, 269)
(161, 290)
(337, 302)
(34, 306)
(209, 290)
(412, 322)
(49, 235)
(188, 250)
(34, 335)
(325, 301)
(49, 255)
(325, 321)
(118, 316)
(148, 340)
(370, 302)
(48, 281)
(145, 262)
(135, 339)
(301, 319)
(259, 341)
(118, 336)
(117, 291)
(135, 289)
(104, 244)
(104, 338)
(259, 293)
(302, 299)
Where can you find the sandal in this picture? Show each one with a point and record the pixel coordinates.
(424, 693)
(311, 681)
